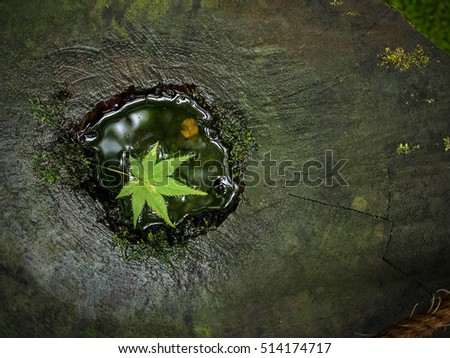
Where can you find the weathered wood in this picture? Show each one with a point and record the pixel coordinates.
(296, 261)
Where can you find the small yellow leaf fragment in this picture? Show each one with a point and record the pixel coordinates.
(189, 128)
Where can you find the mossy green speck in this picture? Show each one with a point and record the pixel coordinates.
(403, 60)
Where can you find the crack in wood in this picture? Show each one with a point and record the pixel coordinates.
(340, 207)
(375, 217)
(376, 21)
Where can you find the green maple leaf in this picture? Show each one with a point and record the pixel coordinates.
(150, 181)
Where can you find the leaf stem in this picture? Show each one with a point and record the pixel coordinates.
(118, 171)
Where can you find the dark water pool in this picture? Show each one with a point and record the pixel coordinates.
(177, 124)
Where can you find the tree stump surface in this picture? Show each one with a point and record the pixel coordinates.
(302, 260)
